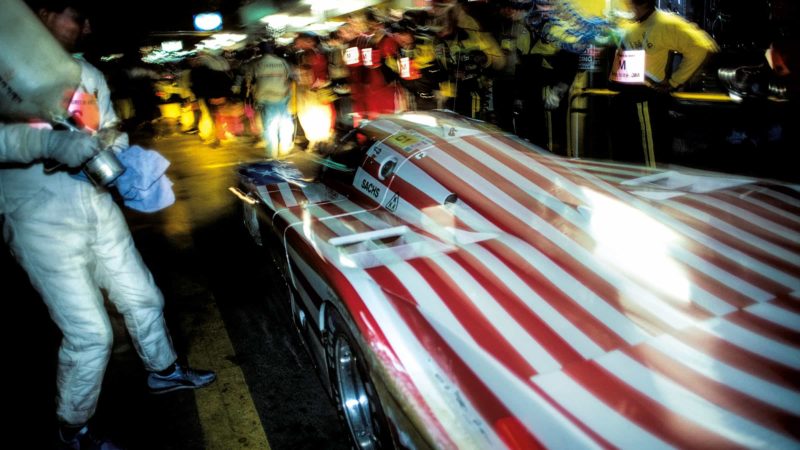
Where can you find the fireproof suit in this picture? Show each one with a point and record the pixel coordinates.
(72, 240)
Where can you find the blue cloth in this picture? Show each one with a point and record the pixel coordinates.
(144, 185)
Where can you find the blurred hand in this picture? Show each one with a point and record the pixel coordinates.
(552, 95)
(72, 148)
(664, 87)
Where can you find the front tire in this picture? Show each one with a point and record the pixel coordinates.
(354, 392)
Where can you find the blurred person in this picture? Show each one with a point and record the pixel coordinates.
(548, 68)
(416, 65)
(378, 93)
(643, 105)
(313, 96)
(336, 47)
(468, 53)
(72, 240)
(269, 83)
(211, 82)
(510, 30)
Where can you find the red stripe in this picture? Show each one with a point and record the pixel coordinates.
(742, 359)
(715, 392)
(787, 302)
(481, 397)
(644, 411)
(540, 330)
(766, 328)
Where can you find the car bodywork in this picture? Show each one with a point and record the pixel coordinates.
(504, 297)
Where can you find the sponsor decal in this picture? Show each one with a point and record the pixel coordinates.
(370, 188)
(392, 204)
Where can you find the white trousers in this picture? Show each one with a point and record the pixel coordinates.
(72, 245)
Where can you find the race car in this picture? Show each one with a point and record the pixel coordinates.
(459, 287)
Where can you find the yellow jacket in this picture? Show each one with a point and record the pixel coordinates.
(662, 33)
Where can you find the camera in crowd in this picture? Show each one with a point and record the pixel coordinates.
(751, 82)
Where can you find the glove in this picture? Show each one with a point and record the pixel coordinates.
(551, 95)
(72, 148)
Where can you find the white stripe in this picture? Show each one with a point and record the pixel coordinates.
(764, 205)
(264, 194)
(519, 339)
(775, 314)
(543, 420)
(753, 342)
(603, 420)
(730, 376)
(755, 219)
(288, 195)
(691, 406)
(736, 232)
(632, 291)
(733, 254)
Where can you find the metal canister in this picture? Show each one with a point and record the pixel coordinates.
(103, 168)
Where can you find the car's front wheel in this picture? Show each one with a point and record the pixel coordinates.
(354, 391)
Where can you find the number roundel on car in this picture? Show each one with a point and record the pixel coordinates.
(387, 168)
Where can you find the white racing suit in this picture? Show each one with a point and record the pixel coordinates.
(72, 240)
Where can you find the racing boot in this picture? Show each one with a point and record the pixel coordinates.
(179, 377)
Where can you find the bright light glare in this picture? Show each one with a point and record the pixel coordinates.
(208, 21)
(421, 119)
(316, 120)
(636, 243)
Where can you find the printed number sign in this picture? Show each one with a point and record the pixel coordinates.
(628, 67)
(351, 56)
(405, 67)
(408, 141)
(366, 56)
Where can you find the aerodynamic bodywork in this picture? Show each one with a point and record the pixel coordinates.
(461, 288)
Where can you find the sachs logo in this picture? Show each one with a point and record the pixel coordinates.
(370, 188)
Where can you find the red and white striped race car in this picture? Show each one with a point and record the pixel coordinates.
(460, 288)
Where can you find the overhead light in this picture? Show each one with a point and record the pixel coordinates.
(208, 21)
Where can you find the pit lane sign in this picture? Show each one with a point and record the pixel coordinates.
(628, 67)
